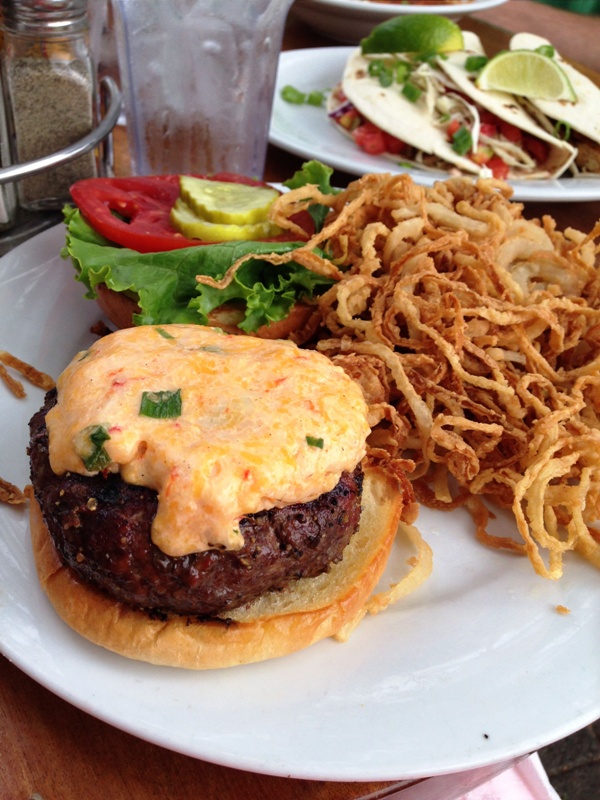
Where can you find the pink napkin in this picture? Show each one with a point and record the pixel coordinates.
(520, 779)
(525, 781)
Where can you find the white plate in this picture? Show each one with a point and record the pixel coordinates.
(350, 20)
(307, 131)
(475, 668)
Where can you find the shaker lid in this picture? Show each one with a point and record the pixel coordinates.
(49, 16)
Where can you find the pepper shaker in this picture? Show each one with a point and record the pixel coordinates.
(8, 199)
(50, 88)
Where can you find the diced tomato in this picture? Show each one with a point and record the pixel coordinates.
(537, 149)
(135, 212)
(486, 116)
(510, 131)
(487, 129)
(452, 128)
(499, 168)
(482, 155)
(370, 138)
(393, 145)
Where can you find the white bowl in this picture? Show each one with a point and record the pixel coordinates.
(351, 20)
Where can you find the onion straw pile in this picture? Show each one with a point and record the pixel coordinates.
(475, 335)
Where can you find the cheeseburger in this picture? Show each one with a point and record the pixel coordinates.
(200, 499)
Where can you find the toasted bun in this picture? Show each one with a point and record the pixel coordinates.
(274, 625)
(120, 308)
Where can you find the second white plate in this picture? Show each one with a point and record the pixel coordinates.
(349, 20)
(308, 132)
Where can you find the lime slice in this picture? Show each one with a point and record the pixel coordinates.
(526, 73)
(194, 227)
(414, 33)
(223, 201)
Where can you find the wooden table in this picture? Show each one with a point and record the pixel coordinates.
(49, 747)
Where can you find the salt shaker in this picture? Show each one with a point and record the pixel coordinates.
(50, 88)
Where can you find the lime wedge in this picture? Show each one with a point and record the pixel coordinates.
(192, 226)
(526, 73)
(414, 33)
(223, 201)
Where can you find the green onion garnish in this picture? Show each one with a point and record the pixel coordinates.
(97, 459)
(462, 141)
(378, 69)
(165, 334)
(562, 130)
(545, 50)
(315, 98)
(292, 95)
(475, 63)
(402, 71)
(315, 441)
(161, 405)
(429, 57)
(411, 92)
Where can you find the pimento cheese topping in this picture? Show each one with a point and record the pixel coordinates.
(255, 424)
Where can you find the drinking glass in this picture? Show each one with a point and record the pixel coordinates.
(198, 79)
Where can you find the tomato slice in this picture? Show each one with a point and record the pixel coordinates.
(135, 212)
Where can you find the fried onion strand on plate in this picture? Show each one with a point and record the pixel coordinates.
(475, 335)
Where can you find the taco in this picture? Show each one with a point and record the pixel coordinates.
(578, 122)
(426, 111)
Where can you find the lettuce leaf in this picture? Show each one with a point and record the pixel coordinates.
(318, 174)
(165, 285)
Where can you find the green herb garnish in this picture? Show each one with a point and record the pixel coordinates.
(562, 130)
(315, 441)
(380, 70)
(462, 141)
(315, 98)
(402, 71)
(97, 458)
(411, 92)
(161, 405)
(545, 50)
(475, 63)
(292, 95)
(165, 334)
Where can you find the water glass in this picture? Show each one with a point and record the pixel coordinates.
(198, 79)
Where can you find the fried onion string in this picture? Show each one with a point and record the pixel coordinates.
(475, 335)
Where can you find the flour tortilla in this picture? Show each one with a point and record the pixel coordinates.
(387, 108)
(505, 106)
(411, 122)
(584, 115)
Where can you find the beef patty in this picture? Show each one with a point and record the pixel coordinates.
(100, 526)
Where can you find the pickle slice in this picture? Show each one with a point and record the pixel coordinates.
(222, 201)
(193, 227)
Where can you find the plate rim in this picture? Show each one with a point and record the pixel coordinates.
(383, 9)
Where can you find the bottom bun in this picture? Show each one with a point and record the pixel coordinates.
(274, 625)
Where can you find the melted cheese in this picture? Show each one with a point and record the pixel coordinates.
(263, 424)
